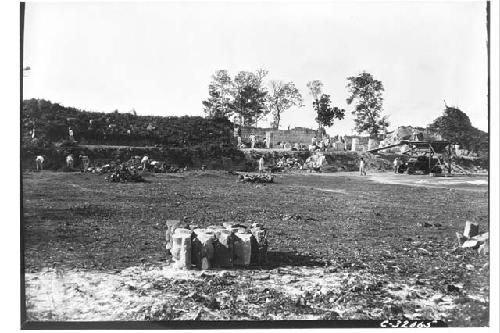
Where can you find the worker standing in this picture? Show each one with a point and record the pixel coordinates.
(261, 165)
(362, 171)
(396, 165)
(144, 162)
(69, 161)
(39, 162)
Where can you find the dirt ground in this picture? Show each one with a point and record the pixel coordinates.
(341, 247)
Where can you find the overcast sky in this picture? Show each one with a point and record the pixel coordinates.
(158, 57)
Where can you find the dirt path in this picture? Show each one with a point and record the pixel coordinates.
(477, 183)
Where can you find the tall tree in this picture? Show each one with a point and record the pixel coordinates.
(281, 97)
(366, 93)
(325, 112)
(214, 106)
(219, 102)
(250, 104)
(249, 95)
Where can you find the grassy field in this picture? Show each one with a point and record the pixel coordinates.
(341, 247)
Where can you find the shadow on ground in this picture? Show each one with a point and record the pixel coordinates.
(280, 259)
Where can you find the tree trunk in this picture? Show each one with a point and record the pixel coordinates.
(277, 119)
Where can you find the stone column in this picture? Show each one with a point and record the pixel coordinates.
(181, 249)
(259, 248)
(224, 249)
(205, 242)
(242, 249)
(269, 139)
(354, 144)
(372, 144)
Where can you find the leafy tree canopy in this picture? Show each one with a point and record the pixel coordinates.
(455, 126)
(325, 112)
(282, 96)
(366, 95)
(315, 88)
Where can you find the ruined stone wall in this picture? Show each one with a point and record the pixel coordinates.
(296, 135)
(260, 133)
(361, 144)
(300, 135)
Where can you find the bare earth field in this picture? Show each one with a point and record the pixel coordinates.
(341, 247)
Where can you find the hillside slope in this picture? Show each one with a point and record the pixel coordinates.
(52, 121)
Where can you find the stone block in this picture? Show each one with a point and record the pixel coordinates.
(484, 248)
(259, 246)
(482, 237)
(181, 250)
(224, 249)
(203, 255)
(242, 249)
(474, 244)
(471, 229)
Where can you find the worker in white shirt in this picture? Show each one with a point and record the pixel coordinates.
(39, 162)
(144, 162)
(261, 165)
(69, 161)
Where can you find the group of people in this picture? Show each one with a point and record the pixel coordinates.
(70, 161)
(85, 162)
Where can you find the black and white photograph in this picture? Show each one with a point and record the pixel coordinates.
(257, 164)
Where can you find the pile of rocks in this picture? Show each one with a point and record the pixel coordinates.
(473, 240)
(265, 178)
(123, 176)
(288, 164)
(227, 246)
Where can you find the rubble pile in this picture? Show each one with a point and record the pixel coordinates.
(291, 163)
(376, 163)
(473, 240)
(101, 169)
(153, 166)
(315, 162)
(124, 175)
(134, 165)
(261, 179)
(218, 246)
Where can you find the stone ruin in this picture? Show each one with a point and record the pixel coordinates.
(218, 246)
(471, 238)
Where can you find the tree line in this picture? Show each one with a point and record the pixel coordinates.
(249, 98)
